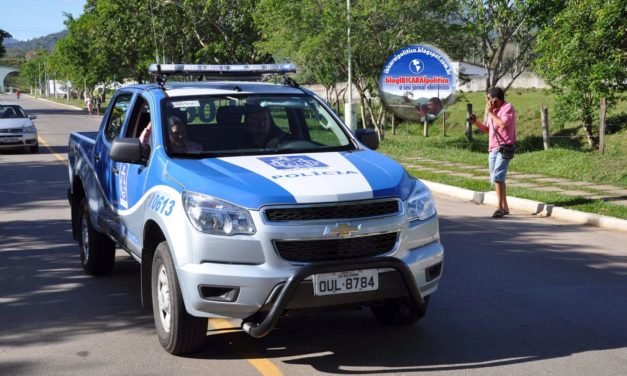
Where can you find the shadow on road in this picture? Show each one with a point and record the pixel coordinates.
(31, 183)
(62, 150)
(502, 301)
(41, 276)
(56, 111)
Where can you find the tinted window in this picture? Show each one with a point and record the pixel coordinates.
(11, 112)
(118, 115)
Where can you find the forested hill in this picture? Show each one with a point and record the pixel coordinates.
(17, 48)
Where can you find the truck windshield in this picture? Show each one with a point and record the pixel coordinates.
(250, 124)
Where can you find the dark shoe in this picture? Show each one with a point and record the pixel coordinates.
(506, 212)
(498, 213)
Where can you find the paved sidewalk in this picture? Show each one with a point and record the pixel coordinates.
(611, 194)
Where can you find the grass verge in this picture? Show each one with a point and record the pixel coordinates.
(568, 157)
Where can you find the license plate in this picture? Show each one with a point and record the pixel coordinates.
(346, 282)
(9, 140)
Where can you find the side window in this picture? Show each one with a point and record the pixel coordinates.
(119, 112)
(140, 118)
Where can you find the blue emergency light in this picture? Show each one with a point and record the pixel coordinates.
(235, 72)
(221, 70)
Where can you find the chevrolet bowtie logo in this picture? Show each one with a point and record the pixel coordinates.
(341, 230)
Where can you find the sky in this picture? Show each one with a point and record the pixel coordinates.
(29, 19)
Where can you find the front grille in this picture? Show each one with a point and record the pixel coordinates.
(12, 130)
(361, 209)
(335, 249)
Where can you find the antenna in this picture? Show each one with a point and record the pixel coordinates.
(159, 77)
(289, 81)
(154, 34)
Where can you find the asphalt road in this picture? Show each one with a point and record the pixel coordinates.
(519, 296)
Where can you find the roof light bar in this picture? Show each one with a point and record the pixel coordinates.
(220, 70)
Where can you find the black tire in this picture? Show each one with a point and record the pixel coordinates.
(97, 250)
(35, 148)
(398, 312)
(178, 331)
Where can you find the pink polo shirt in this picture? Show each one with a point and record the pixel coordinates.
(508, 134)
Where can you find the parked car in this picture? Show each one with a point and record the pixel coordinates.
(17, 129)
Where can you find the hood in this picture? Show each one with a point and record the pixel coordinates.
(15, 123)
(255, 181)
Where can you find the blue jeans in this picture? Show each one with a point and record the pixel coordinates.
(498, 166)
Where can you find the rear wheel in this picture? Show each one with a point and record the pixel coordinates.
(178, 331)
(398, 312)
(97, 250)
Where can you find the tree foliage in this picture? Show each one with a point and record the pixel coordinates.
(306, 34)
(224, 30)
(31, 70)
(583, 55)
(3, 35)
(313, 33)
(506, 31)
(116, 39)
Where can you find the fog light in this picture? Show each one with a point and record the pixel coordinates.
(219, 293)
(433, 271)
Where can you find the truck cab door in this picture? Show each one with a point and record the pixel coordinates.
(133, 178)
(108, 171)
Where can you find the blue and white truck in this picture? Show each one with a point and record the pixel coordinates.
(248, 200)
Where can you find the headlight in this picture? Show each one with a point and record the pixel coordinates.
(30, 129)
(420, 204)
(217, 217)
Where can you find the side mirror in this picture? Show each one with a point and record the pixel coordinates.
(32, 117)
(129, 150)
(368, 137)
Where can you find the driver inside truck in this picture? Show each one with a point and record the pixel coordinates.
(264, 133)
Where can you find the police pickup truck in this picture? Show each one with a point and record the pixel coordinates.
(248, 200)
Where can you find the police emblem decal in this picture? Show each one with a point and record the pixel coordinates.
(292, 162)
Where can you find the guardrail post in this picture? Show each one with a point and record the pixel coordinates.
(468, 124)
(393, 123)
(544, 115)
(602, 125)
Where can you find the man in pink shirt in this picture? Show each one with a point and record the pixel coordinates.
(501, 129)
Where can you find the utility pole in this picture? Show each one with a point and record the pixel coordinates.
(349, 111)
(45, 80)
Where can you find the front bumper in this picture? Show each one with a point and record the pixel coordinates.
(285, 296)
(14, 141)
(250, 289)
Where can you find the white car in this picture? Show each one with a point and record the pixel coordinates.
(17, 129)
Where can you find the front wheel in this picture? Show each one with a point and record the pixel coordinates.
(97, 250)
(398, 312)
(178, 331)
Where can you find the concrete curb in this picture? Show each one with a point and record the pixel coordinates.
(533, 207)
